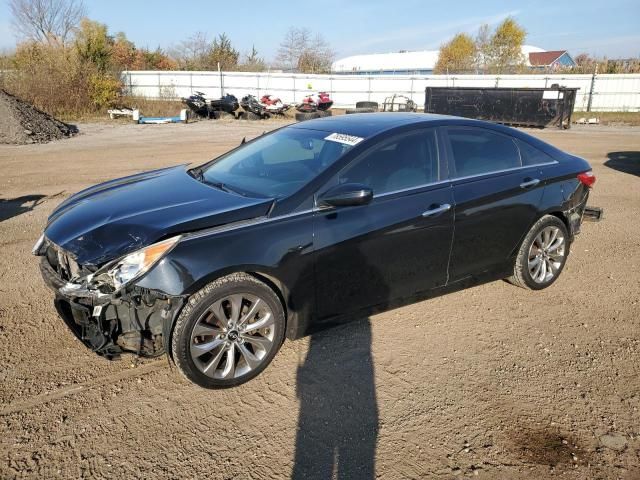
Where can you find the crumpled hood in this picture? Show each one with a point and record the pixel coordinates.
(117, 217)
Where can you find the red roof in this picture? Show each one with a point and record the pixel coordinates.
(542, 59)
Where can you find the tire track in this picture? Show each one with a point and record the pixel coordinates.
(38, 400)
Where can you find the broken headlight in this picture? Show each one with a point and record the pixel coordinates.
(137, 263)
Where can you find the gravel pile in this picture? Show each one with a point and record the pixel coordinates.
(22, 123)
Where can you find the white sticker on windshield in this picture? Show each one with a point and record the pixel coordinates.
(344, 138)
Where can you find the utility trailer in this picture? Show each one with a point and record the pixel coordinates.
(530, 107)
(182, 118)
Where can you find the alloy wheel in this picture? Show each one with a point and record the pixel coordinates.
(233, 336)
(546, 254)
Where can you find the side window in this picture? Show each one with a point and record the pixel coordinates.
(477, 151)
(531, 155)
(406, 161)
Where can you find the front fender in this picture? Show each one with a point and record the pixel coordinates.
(279, 250)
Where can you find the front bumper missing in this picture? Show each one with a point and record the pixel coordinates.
(135, 320)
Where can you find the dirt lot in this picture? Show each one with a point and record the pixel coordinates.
(493, 381)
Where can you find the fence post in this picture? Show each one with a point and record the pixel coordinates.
(593, 83)
(369, 90)
(191, 82)
(411, 88)
(159, 87)
(294, 88)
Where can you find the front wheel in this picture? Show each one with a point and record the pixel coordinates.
(542, 255)
(228, 332)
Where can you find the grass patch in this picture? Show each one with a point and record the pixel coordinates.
(611, 118)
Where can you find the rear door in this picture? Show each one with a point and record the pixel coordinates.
(398, 244)
(496, 195)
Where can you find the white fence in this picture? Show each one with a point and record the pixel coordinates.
(620, 92)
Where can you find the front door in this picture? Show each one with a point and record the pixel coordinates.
(397, 245)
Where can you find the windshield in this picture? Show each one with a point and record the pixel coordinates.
(275, 165)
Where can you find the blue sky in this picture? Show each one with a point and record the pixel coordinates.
(368, 26)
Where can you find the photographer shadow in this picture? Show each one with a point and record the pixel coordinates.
(338, 417)
(338, 420)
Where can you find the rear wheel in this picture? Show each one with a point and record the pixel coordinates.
(542, 255)
(228, 332)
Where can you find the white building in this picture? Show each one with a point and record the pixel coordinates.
(399, 63)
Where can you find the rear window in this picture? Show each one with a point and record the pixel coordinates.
(531, 155)
(477, 151)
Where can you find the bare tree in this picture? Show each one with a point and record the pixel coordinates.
(301, 50)
(293, 46)
(317, 57)
(192, 53)
(483, 43)
(47, 21)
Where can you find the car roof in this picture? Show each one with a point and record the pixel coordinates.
(368, 124)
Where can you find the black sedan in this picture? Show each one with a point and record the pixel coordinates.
(305, 227)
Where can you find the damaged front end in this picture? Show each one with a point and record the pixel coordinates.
(103, 307)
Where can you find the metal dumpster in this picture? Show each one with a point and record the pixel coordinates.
(531, 107)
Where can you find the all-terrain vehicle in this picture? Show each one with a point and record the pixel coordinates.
(226, 104)
(198, 104)
(204, 108)
(253, 109)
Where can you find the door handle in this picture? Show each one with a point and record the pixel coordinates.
(530, 183)
(436, 210)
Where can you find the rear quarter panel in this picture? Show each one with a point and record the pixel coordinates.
(563, 192)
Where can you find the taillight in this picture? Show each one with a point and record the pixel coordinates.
(587, 179)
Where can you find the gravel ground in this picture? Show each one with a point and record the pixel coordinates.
(493, 381)
(21, 123)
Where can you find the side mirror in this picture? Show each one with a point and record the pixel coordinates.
(345, 195)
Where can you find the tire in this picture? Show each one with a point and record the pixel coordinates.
(301, 117)
(349, 111)
(250, 116)
(540, 262)
(222, 115)
(209, 365)
(324, 113)
(373, 105)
